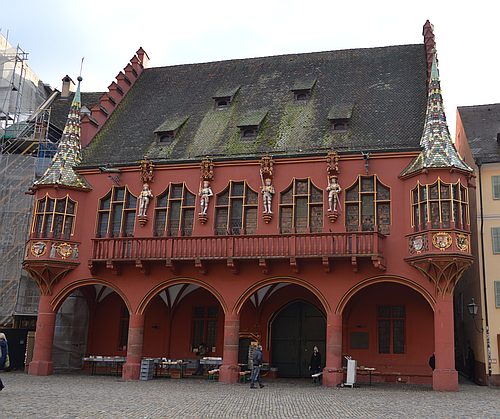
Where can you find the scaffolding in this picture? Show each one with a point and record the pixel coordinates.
(27, 145)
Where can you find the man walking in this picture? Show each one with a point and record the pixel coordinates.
(256, 365)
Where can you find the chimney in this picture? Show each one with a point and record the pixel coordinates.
(68, 86)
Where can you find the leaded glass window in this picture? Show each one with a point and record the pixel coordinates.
(391, 329)
(440, 204)
(54, 218)
(236, 210)
(205, 327)
(301, 208)
(368, 205)
(116, 214)
(174, 211)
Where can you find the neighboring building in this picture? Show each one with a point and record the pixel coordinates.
(478, 140)
(297, 200)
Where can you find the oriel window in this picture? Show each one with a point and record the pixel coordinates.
(301, 208)
(368, 205)
(440, 204)
(236, 210)
(116, 215)
(174, 212)
(54, 218)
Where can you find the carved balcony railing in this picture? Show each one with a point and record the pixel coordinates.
(231, 248)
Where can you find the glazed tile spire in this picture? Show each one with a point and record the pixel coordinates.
(69, 153)
(438, 150)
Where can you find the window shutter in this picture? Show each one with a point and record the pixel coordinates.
(495, 182)
(497, 294)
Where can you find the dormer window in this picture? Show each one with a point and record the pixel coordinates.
(340, 116)
(340, 125)
(224, 96)
(302, 89)
(167, 132)
(250, 124)
(166, 137)
(222, 102)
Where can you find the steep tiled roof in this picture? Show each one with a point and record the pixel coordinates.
(60, 107)
(68, 154)
(386, 87)
(438, 150)
(482, 125)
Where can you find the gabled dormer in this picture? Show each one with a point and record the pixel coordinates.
(168, 130)
(224, 97)
(302, 89)
(340, 116)
(250, 123)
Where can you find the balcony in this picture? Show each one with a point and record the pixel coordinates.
(169, 250)
(440, 255)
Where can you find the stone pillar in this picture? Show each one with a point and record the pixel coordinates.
(132, 367)
(444, 377)
(44, 338)
(333, 373)
(229, 370)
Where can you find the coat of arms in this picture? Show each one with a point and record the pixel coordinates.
(65, 250)
(417, 243)
(463, 242)
(38, 249)
(441, 241)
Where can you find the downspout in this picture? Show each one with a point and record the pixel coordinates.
(488, 347)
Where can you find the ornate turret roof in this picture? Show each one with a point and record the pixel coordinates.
(69, 153)
(438, 150)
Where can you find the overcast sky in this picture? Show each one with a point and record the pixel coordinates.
(58, 33)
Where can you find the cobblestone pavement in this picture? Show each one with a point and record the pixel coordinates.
(82, 396)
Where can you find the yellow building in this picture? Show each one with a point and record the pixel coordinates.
(477, 296)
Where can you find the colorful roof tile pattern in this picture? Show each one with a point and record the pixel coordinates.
(69, 152)
(438, 150)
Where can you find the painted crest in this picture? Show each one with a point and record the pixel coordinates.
(441, 241)
(38, 249)
(463, 242)
(417, 243)
(65, 250)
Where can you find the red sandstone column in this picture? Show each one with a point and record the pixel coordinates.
(229, 370)
(44, 338)
(444, 377)
(132, 368)
(332, 373)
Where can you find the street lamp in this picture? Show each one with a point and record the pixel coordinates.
(472, 307)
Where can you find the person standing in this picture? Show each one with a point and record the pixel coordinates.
(202, 351)
(4, 351)
(256, 366)
(315, 363)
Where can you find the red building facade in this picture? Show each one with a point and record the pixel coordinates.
(314, 220)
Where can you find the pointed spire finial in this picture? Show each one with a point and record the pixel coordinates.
(69, 152)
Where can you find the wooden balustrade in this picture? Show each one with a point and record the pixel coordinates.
(358, 244)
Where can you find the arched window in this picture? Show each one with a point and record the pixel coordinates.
(368, 204)
(301, 208)
(440, 204)
(116, 216)
(236, 210)
(54, 218)
(174, 212)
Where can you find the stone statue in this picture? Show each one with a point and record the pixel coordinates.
(267, 190)
(205, 194)
(144, 198)
(333, 190)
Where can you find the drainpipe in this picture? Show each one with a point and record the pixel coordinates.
(488, 347)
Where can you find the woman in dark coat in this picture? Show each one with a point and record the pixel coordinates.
(4, 351)
(315, 364)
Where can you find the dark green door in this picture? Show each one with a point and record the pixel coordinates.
(294, 332)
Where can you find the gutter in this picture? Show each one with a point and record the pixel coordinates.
(488, 346)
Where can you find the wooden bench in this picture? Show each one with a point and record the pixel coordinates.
(316, 378)
(213, 375)
(245, 376)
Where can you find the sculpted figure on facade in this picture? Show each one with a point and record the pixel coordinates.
(333, 190)
(267, 188)
(144, 198)
(205, 194)
(333, 187)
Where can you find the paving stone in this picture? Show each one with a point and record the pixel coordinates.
(83, 396)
